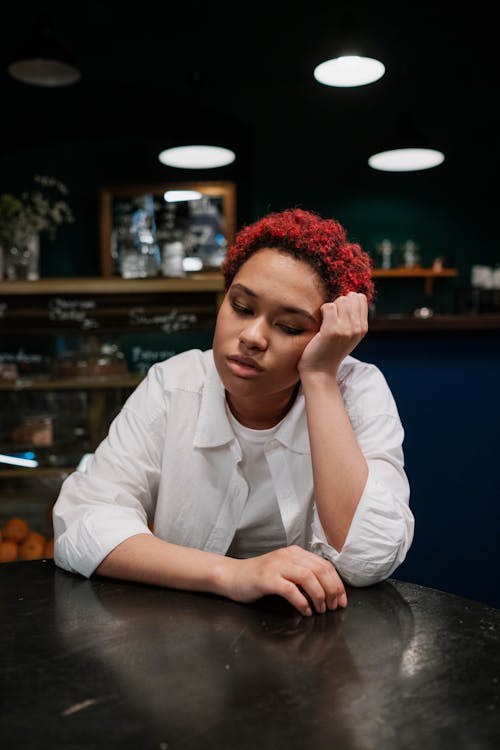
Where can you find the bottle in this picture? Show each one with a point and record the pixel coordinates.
(411, 255)
(137, 249)
(172, 257)
(386, 249)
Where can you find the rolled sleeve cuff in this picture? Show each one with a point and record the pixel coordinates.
(380, 535)
(87, 542)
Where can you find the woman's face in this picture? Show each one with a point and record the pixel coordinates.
(269, 314)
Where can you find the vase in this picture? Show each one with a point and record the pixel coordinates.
(22, 257)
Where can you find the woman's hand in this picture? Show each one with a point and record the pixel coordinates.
(344, 324)
(297, 575)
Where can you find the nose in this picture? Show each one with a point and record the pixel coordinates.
(253, 335)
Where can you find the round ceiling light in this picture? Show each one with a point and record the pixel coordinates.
(349, 70)
(40, 71)
(197, 157)
(406, 159)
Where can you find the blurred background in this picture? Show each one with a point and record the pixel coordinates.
(241, 76)
(161, 75)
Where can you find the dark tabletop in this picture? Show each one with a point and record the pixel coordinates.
(105, 664)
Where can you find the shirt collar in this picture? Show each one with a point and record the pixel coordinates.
(292, 432)
(213, 427)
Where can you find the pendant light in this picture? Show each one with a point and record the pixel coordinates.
(406, 149)
(43, 61)
(347, 71)
(406, 159)
(355, 60)
(197, 157)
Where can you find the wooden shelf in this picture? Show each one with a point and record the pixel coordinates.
(459, 323)
(88, 382)
(195, 282)
(413, 273)
(427, 274)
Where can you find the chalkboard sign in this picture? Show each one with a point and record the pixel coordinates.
(66, 335)
(84, 313)
(142, 351)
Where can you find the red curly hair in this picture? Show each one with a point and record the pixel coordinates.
(341, 265)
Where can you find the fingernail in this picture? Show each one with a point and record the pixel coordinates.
(308, 611)
(343, 600)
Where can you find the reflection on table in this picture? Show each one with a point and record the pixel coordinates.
(101, 663)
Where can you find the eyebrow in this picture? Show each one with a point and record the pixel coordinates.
(287, 309)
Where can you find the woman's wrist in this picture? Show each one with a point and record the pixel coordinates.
(315, 380)
(221, 575)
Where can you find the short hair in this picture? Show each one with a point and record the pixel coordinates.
(341, 265)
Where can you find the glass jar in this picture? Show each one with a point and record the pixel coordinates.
(22, 257)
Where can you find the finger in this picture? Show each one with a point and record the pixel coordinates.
(312, 588)
(354, 305)
(324, 588)
(354, 313)
(291, 592)
(332, 584)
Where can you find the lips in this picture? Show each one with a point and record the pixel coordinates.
(244, 366)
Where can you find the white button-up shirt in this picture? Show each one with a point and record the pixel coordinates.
(171, 458)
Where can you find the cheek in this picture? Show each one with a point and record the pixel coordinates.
(290, 355)
(222, 331)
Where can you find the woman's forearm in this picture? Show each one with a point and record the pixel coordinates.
(147, 559)
(339, 468)
(290, 572)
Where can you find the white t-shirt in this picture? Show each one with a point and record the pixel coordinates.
(260, 529)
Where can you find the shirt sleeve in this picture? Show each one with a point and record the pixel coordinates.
(382, 529)
(112, 499)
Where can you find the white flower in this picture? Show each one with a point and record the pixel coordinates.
(37, 210)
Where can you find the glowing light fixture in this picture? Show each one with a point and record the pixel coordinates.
(26, 459)
(44, 61)
(40, 71)
(197, 157)
(406, 159)
(406, 147)
(176, 196)
(348, 71)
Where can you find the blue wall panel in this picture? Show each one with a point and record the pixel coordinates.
(447, 387)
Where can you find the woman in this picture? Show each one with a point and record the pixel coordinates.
(270, 464)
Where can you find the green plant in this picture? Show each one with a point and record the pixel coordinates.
(42, 208)
(10, 208)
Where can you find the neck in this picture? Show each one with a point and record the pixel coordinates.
(263, 414)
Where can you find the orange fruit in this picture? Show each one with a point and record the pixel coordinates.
(8, 550)
(32, 547)
(48, 550)
(16, 529)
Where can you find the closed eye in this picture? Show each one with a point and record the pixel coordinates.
(240, 309)
(291, 331)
